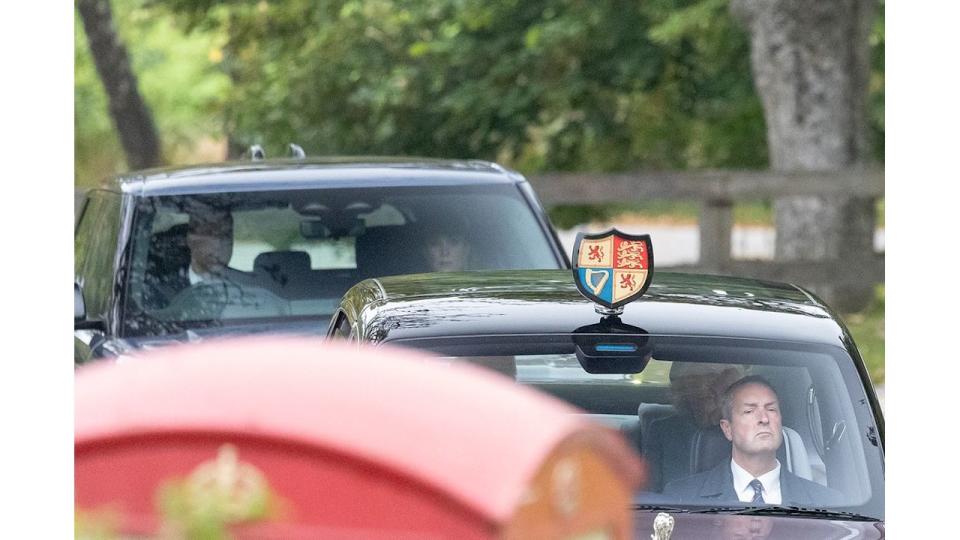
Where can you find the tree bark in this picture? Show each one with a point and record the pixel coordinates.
(810, 61)
(131, 116)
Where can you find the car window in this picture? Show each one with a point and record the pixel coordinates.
(672, 410)
(95, 250)
(264, 230)
(341, 329)
(286, 255)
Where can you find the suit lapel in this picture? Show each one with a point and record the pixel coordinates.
(792, 492)
(719, 483)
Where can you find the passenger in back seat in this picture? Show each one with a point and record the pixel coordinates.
(696, 389)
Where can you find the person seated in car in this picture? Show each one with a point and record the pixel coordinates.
(751, 421)
(210, 241)
(696, 389)
(207, 287)
(447, 249)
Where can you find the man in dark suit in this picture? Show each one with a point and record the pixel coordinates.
(752, 423)
(210, 240)
(696, 389)
(206, 287)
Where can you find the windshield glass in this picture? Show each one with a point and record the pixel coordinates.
(709, 415)
(254, 257)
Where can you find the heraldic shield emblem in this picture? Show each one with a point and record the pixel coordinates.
(612, 268)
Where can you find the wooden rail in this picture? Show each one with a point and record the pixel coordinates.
(726, 185)
(716, 192)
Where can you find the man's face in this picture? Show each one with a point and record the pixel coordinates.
(447, 253)
(754, 425)
(211, 243)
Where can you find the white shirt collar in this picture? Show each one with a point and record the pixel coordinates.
(195, 277)
(769, 480)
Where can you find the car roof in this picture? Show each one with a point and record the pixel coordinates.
(311, 173)
(547, 302)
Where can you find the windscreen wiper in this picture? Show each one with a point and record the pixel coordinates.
(785, 511)
(660, 508)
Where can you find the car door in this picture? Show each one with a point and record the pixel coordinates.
(95, 250)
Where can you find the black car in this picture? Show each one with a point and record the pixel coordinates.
(662, 370)
(272, 245)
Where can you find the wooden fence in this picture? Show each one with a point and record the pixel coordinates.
(716, 192)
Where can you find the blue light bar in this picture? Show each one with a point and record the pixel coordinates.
(619, 347)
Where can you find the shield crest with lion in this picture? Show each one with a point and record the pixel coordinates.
(612, 268)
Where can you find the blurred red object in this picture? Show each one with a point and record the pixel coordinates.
(349, 442)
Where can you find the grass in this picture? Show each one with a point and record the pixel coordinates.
(867, 328)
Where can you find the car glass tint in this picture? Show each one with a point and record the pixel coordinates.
(95, 250)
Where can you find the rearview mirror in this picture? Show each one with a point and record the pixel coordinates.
(314, 229)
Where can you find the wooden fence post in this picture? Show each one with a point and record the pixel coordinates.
(716, 228)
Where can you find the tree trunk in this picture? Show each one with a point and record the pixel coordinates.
(130, 114)
(810, 61)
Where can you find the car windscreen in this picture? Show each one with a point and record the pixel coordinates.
(266, 256)
(802, 412)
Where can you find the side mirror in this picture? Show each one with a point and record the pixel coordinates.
(80, 321)
(79, 308)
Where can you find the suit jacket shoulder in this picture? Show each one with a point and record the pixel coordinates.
(712, 486)
(798, 491)
(716, 485)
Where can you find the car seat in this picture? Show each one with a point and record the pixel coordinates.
(710, 447)
(167, 262)
(283, 270)
(388, 250)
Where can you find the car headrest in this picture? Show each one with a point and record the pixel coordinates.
(710, 447)
(280, 265)
(168, 250)
(388, 250)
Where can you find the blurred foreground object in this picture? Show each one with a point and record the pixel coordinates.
(291, 438)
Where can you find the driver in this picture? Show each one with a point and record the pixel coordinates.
(752, 423)
(695, 390)
(209, 288)
(210, 241)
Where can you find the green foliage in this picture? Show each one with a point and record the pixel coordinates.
(567, 216)
(545, 84)
(177, 74)
(867, 328)
(537, 85)
(97, 150)
(101, 524)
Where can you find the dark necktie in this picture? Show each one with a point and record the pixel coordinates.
(757, 491)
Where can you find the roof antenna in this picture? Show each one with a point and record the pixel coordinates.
(256, 152)
(296, 151)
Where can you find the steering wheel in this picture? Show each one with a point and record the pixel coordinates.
(202, 301)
